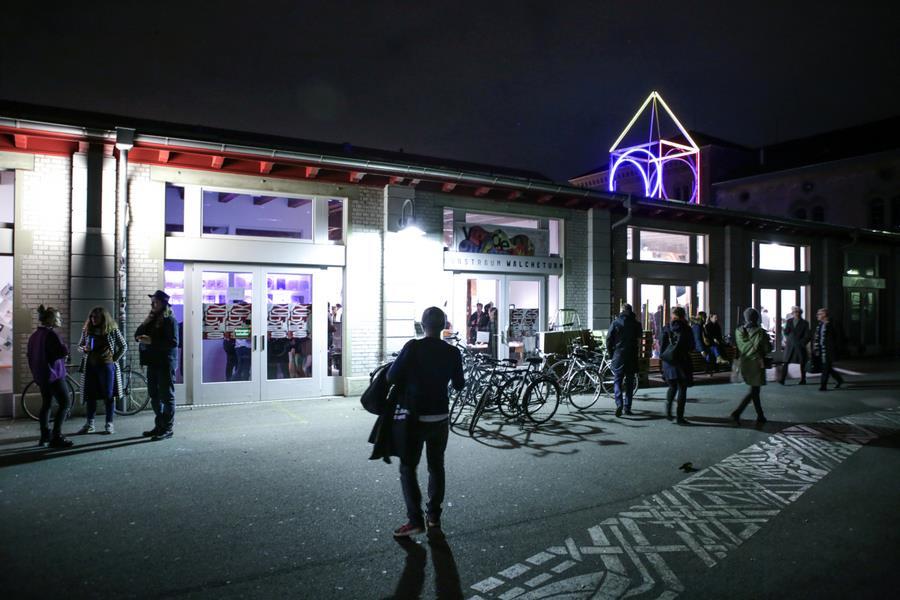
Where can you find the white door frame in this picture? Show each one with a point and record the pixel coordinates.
(258, 387)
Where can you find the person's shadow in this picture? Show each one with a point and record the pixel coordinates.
(446, 576)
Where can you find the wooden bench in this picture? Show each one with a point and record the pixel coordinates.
(698, 364)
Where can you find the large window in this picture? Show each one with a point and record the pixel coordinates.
(861, 264)
(772, 256)
(501, 234)
(664, 246)
(229, 213)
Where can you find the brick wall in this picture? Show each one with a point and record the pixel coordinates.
(41, 250)
(363, 306)
(146, 247)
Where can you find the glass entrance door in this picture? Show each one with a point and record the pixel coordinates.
(774, 307)
(520, 305)
(265, 333)
(656, 299)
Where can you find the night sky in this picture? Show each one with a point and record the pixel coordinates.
(545, 86)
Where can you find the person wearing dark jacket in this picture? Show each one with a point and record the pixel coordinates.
(47, 359)
(753, 344)
(714, 338)
(796, 337)
(677, 369)
(698, 327)
(424, 368)
(623, 344)
(826, 349)
(158, 338)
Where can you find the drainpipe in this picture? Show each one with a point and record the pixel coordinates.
(613, 227)
(124, 142)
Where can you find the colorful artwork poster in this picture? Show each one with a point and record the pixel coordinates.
(523, 322)
(231, 321)
(289, 320)
(494, 239)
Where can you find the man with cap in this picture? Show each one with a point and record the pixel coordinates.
(158, 339)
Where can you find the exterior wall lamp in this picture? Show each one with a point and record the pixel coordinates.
(408, 224)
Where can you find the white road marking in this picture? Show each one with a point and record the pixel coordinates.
(704, 517)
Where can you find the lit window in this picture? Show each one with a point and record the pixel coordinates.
(665, 247)
(228, 213)
(775, 257)
(629, 243)
(174, 208)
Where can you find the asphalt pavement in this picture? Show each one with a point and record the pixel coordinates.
(278, 500)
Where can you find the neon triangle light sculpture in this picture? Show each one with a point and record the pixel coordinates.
(651, 158)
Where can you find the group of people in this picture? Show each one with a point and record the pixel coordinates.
(484, 319)
(679, 337)
(103, 346)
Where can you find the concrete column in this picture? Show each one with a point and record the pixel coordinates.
(737, 276)
(93, 231)
(599, 268)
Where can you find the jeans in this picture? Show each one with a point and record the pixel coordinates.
(828, 370)
(161, 387)
(54, 389)
(433, 436)
(679, 388)
(624, 382)
(242, 372)
(752, 395)
(99, 382)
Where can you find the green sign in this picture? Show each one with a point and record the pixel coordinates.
(242, 332)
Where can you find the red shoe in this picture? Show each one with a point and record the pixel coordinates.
(408, 530)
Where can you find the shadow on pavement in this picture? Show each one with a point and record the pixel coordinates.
(32, 454)
(446, 575)
(547, 438)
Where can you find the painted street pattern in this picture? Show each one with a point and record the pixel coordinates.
(703, 518)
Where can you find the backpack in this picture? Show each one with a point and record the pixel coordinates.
(375, 398)
(668, 354)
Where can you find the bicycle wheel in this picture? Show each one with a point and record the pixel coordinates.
(479, 409)
(135, 397)
(31, 401)
(508, 397)
(581, 388)
(541, 399)
(559, 370)
(607, 381)
(459, 400)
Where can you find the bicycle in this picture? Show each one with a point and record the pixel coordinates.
(133, 399)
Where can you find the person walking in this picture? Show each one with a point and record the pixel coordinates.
(158, 338)
(101, 376)
(424, 368)
(796, 337)
(677, 369)
(47, 359)
(826, 349)
(623, 343)
(753, 344)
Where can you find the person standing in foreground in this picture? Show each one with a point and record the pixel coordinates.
(158, 337)
(425, 367)
(47, 358)
(622, 344)
(796, 337)
(677, 369)
(103, 346)
(753, 344)
(826, 349)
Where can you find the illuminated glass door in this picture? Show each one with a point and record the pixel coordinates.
(519, 302)
(774, 306)
(266, 333)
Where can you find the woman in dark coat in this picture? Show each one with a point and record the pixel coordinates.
(796, 337)
(677, 369)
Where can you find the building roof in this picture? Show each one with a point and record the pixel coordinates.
(103, 121)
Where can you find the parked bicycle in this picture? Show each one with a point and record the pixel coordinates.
(134, 397)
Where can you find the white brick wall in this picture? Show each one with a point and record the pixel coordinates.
(42, 250)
